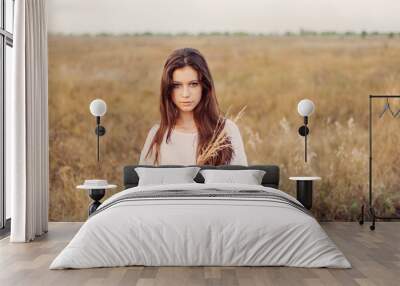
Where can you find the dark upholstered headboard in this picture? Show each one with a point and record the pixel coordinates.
(270, 179)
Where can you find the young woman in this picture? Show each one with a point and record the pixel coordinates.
(192, 130)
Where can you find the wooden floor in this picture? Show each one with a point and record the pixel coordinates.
(375, 257)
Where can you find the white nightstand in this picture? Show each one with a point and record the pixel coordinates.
(304, 189)
(97, 190)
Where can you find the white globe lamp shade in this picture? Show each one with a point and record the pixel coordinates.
(305, 107)
(98, 107)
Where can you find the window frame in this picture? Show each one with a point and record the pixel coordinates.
(6, 39)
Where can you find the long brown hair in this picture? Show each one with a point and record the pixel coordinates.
(207, 115)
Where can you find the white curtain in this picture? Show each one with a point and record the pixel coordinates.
(27, 124)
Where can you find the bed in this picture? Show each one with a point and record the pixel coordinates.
(201, 224)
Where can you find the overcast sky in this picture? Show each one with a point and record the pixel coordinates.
(256, 16)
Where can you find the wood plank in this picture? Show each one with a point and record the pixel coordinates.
(375, 257)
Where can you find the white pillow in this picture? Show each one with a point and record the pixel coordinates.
(249, 177)
(162, 176)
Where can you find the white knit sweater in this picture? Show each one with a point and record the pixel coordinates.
(181, 150)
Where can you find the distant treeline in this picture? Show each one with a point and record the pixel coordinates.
(302, 33)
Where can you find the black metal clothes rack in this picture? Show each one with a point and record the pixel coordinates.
(371, 209)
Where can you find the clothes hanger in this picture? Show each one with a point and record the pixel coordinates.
(387, 107)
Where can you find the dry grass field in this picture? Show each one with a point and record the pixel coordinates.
(269, 75)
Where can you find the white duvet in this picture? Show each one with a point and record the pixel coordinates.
(200, 231)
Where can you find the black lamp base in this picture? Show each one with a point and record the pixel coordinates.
(100, 130)
(303, 130)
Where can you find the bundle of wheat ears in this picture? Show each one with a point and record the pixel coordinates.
(219, 141)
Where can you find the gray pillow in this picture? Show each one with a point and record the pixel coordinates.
(162, 176)
(249, 177)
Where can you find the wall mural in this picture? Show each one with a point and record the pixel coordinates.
(225, 98)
